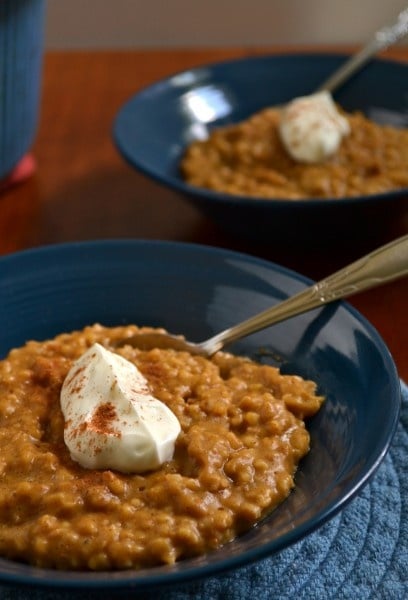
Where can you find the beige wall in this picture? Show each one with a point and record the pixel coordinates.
(149, 23)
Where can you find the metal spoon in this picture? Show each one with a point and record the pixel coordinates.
(380, 41)
(385, 264)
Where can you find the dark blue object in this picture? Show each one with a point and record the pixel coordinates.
(199, 291)
(21, 52)
(153, 128)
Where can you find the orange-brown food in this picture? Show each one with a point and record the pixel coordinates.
(242, 438)
(249, 159)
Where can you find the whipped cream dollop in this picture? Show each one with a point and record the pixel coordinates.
(111, 419)
(311, 128)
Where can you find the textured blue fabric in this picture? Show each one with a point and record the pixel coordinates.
(362, 553)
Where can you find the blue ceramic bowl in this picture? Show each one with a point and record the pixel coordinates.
(153, 128)
(54, 289)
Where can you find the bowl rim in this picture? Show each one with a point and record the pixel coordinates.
(149, 578)
(219, 198)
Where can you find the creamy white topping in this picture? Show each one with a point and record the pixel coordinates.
(111, 419)
(311, 128)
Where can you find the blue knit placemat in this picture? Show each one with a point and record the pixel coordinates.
(362, 553)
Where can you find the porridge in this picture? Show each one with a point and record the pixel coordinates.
(249, 159)
(242, 435)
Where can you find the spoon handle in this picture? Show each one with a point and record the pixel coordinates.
(385, 264)
(380, 41)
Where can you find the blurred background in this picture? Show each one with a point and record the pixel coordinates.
(157, 23)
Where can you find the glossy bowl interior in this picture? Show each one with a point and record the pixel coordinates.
(153, 128)
(199, 291)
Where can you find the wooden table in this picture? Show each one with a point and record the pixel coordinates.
(84, 190)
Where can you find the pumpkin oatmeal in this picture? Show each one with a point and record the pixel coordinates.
(249, 159)
(242, 437)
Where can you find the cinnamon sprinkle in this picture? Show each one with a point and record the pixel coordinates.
(103, 418)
